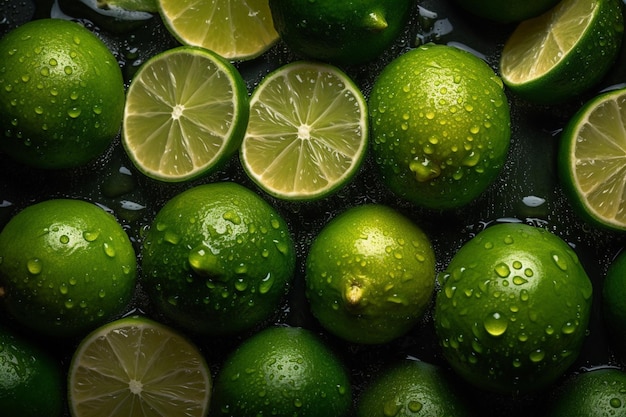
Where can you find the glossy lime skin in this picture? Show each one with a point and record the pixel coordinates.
(67, 266)
(412, 388)
(31, 382)
(61, 94)
(282, 371)
(218, 259)
(513, 308)
(370, 274)
(341, 32)
(614, 303)
(440, 126)
(595, 393)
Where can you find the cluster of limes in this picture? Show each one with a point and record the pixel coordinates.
(510, 310)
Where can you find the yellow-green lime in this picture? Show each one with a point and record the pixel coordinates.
(564, 51)
(597, 392)
(185, 115)
(507, 12)
(140, 368)
(61, 94)
(308, 131)
(614, 303)
(66, 266)
(341, 32)
(591, 157)
(513, 308)
(31, 382)
(411, 388)
(370, 274)
(282, 371)
(218, 259)
(440, 126)
(235, 29)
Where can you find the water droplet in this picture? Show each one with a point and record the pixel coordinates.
(91, 236)
(63, 288)
(204, 262)
(102, 293)
(502, 270)
(68, 70)
(108, 250)
(537, 355)
(64, 239)
(171, 237)
(232, 217)
(615, 402)
(559, 261)
(74, 112)
(495, 324)
(34, 266)
(266, 283)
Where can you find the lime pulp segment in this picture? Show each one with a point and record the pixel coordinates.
(185, 113)
(307, 133)
(596, 158)
(137, 368)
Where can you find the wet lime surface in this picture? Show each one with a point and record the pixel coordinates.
(527, 190)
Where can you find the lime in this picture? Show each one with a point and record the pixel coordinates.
(61, 94)
(513, 308)
(595, 393)
(137, 367)
(235, 29)
(591, 158)
(342, 32)
(614, 302)
(185, 115)
(563, 52)
(66, 267)
(282, 371)
(507, 12)
(370, 274)
(31, 383)
(411, 388)
(440, 126)
(307, 133)
(218, 259)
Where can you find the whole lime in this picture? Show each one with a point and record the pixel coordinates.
(61, 94)
(506, 12)
(218, 259)
(31, 382)
(342, 32)
(598, 392)
(614, 303)
(370, 274)
(440, 126)
(282, 371)
(412, 388)
(66, 266)
(513, 308)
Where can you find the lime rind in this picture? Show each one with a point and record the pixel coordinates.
(237, 30)
(308, 131)
(592, 160)
(185, 115)
(133, 355)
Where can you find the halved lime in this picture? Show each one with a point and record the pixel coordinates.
(235, 29)
(137, 367)
(592, 160)
(185, 115)
(307, 133)
(563, 52)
